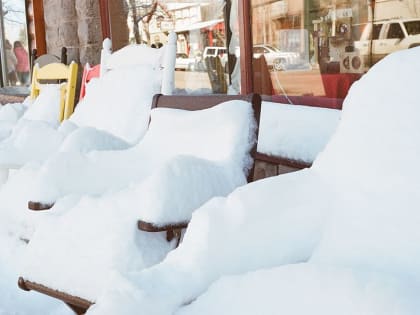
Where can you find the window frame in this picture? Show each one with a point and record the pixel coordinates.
(245, 39)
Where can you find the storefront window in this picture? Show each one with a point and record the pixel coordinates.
(315, 49)
(14, 44)
(202, 65)
(202, 58)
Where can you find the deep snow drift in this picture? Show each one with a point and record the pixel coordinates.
(352, 220)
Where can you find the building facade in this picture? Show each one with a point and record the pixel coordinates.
(313, 49)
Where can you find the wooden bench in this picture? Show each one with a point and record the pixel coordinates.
(80, 305)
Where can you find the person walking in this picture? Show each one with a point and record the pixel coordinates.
(11, 62)
(22, 66)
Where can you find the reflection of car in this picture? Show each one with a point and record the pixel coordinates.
(387, 37)
(183, 62)
(213, 51)
(276, 59)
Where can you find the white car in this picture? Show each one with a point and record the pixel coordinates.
(183, 62)
(387, 37)
(213, 51)
(276, 59)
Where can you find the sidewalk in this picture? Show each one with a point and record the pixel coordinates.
(13, 94)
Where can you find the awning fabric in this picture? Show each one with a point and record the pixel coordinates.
(197, 26)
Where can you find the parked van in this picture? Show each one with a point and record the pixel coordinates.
(213, 51)
(389, 36)
(379, 39)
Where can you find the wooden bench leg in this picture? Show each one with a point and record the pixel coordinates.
(172, 230)
(174, 233)
(76, 309)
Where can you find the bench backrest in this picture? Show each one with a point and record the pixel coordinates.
(198, 102)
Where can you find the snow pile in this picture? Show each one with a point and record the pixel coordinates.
(13, 234)
(46, 107)
(295, 132)
(378, 228)
(13, 111)
(308, 289)
(379, 233)
(135, 55)
(103, 239)
(9, 115)
(33, 143)
(379, 130)
(20, 146)
(14, 215)
(113, 115)
(12, 299)
(224, 132)
(185, 158)
(362, 235)
(119, 102)
(88, 139)
(40, 117)
(171, 133)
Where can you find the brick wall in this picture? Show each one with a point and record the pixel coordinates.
(76, 25)
(89, 30)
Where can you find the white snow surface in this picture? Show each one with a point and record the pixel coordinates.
(171, 133)
(338, 238)
(113, 115)
(44, 108)
(185, 159)
(119, 102)
(351, 219)
(308, 289)
(136, 55)
(295, 132)
(11, 112)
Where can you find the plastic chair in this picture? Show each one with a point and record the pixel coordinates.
(88, 74)
(57, 71)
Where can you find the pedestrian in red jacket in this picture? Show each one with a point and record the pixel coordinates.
(22, 66)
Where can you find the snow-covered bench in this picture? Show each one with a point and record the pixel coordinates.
(105, 118)
(292, 136)
(174, 228)
(347, 228)
(196, 153)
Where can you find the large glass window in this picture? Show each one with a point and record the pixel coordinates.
(201, 30)
(314, 50)
(14, 43)
(202, 57)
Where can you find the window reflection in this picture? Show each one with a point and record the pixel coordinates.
(14, 52)
(202, 56)
(315, 49)
(200, 27)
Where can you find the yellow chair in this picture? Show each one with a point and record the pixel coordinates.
(57, 71)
